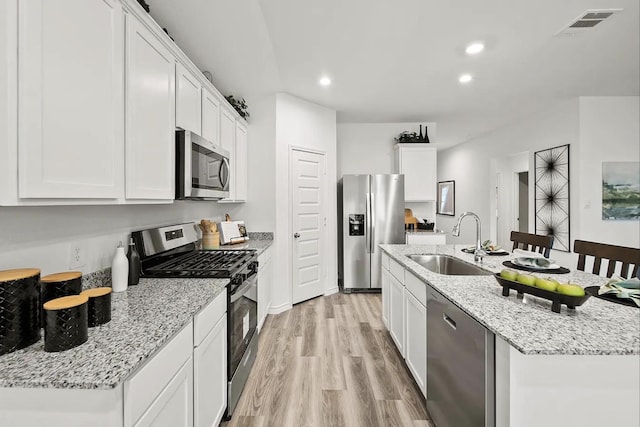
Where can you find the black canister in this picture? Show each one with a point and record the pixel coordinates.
(66, 324)
(60, 285)
(19, 308)
(99, 305)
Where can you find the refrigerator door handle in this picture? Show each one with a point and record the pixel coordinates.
(367, 223)
(372, 221)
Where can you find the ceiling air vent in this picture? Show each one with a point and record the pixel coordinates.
(588, 20)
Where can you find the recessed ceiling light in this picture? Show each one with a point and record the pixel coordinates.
(465, 78)
(324, 81)
(474, 48)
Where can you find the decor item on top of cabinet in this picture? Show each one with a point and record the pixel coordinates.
(407, 136)
(621, 190)
(446, 198)
(145, 6)
(552, 195)
(207, 75)
(239, 105)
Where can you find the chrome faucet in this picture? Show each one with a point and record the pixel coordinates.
(478, 253)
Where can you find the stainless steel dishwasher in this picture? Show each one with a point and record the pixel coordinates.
(460, 366)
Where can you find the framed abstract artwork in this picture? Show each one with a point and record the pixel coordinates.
(621, 191)
(552, 195)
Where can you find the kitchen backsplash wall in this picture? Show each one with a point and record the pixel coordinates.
(44, 237)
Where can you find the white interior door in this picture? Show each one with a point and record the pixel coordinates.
(308, 223)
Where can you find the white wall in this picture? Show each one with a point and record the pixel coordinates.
(473, 166)
(302, 124)
(609, 132)
(367, 148)
(598, 129)
(42, 236)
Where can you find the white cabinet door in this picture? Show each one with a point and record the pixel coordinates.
(240, 169)
(418, 163)
(426, 238)
(228, 142)
(210, 376)
(174, 406)
(385, 296)
(210, 117)
(396, 312)
(188, 100)
(416, 339)
(70, 91)
(265, 278)
(150, 136)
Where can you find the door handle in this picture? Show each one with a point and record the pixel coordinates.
(296, 235)
(449, 320)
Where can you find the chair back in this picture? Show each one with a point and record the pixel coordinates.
(532, 242)
(629, 257)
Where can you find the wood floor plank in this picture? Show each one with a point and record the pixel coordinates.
(329, 362)
(332, 371)
(333, 408)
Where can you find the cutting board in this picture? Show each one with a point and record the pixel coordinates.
(232, 232)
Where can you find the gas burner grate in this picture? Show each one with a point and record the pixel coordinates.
(204, 263)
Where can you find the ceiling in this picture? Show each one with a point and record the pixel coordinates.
(399, 61)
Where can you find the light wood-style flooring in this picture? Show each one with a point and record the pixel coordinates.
(329, 362)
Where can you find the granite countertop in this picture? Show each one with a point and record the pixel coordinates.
(258, 241)
(143, 319)
(425, 231)
(596, 328)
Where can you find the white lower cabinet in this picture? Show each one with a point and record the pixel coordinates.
(426, 238)
(265, 283)
(396, 312)
(174, 405)
(384, 283)
(416, 339)
(210, 377)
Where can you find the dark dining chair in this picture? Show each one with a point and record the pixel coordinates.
(532, 242)
(629, 257)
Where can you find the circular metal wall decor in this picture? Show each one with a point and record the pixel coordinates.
(552, 195)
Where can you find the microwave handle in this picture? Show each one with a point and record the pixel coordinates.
(224, 172)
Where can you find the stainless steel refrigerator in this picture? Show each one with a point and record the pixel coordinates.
(371, 212)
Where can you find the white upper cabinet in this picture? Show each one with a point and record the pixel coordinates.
(228, 142)
(188, 100)
(418, 163)
(150, 106)
(210, 117)
(70, 92)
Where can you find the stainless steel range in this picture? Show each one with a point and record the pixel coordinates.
(170, 252)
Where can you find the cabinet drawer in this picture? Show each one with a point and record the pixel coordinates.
(397, 270)
(207, 318)
(264, 257)
(417, 287)
(385, 261)
(141, 389)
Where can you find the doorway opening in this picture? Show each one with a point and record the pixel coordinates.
(523, 201)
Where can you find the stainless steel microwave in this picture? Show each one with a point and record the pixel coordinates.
(202, 168)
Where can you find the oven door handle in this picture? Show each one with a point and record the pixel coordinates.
(242, 289)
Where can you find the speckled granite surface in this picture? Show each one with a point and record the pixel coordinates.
(597, 327)
(257, 241)
(143, 319)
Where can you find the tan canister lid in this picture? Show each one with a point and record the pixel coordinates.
(61, 277)
(96, 292)
(65, 302)
(18, 273)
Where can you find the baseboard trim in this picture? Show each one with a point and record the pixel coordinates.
(331, 291)
(277, 309)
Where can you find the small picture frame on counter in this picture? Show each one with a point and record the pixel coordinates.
(446, 198)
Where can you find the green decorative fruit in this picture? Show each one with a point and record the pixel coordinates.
(570, 289)
(546, 284)
(508, 274)
(526, 279)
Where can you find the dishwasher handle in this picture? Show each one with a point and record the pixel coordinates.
(449, 321)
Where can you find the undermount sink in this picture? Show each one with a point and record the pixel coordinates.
(448, 265)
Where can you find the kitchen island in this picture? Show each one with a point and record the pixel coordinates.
(550, 369)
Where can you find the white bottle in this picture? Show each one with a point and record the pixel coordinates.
(119, 270)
